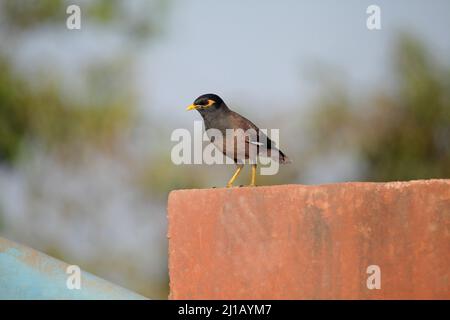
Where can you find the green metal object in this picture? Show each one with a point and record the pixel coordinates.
(29, 274)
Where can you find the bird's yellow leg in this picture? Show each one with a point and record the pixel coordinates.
(235, 175)
(253, 182)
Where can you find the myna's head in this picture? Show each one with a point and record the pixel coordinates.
(208, 103)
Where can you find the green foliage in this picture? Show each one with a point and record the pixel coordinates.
(42, 116)
(36, 112)
(13, 120)
(62, 126)
(26, 14)
(400, 136)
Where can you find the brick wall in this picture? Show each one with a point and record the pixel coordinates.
(311, 242)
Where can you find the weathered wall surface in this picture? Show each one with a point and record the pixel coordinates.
(311, 242)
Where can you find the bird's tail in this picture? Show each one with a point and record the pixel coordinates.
(279, 156)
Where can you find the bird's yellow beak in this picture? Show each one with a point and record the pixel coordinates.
(191, 107)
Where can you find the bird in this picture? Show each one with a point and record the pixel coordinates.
(217, 115)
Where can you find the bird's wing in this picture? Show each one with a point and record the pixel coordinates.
(259, 139)
(256, 137)
(253, 134)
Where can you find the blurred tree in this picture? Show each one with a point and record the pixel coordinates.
(41, 116)
(38, 112)
(399, 136)
(65, 162)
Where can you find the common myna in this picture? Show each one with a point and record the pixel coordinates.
(217, 115)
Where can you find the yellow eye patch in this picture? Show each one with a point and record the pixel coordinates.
(210, 103)
(198, 106)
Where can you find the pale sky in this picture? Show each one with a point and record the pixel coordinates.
(253, 53)
(257, 53)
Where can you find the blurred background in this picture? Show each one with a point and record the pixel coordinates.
(86, 115)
